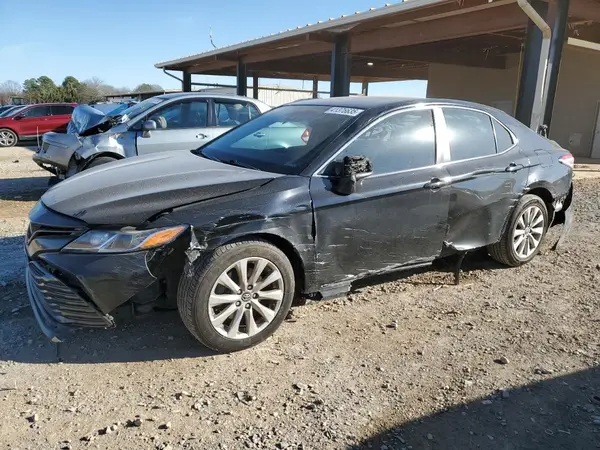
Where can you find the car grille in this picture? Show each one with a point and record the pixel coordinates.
(60, 303)
(36, 231)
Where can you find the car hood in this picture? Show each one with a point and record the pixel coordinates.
(130, 191)
(87, 120)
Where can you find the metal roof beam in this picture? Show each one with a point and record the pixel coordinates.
(491, 20)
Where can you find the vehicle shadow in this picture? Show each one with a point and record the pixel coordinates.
(23, 189)
(154, 336)
(475, 260)
(553, 413)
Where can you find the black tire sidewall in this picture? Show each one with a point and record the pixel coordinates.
(201, 318)
(100, 161)
(525, 203)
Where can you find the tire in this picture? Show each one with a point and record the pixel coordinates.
(199, 282)
(8, 138)
(99, 161)
(52, 181)
(504, 251)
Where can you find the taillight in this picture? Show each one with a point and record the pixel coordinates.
(567, 160)
(305, 136)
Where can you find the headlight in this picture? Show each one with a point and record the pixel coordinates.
(107, 241)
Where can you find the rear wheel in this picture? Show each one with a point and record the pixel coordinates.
(238, 296)
(525, 233)
(8, 138)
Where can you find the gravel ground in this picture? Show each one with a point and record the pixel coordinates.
(506, 360)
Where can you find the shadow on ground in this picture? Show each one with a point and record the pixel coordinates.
(475, 260)
(553, 413)
(155, 336)
(23, 189)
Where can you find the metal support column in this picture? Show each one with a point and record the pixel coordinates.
(365, 88)
(559, 32)
(186, 85)
(315, 89)
(530, 67)
(242, 79)
(255, 86)
(341, 60)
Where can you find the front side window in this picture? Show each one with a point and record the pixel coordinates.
(282, 140)
(470, 133)
(181, 115)
(231, 113)
(402, 141)
(140, 108)
(37, 111)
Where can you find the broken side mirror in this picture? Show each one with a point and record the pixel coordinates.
(147, 127)
(349, 173)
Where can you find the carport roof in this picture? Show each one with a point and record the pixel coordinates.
(389, 43)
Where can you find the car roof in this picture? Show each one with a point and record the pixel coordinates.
(51, 104)
(385, 103)
(204, 95)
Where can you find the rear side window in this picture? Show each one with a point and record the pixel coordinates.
(37, 111)
(60, 110)
(504, 140)
(470, 132)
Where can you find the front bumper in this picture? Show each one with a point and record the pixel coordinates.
(58, 308)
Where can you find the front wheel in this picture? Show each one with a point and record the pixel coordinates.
(99, 161)
(524, 234)
(237, 296)
(8, 138)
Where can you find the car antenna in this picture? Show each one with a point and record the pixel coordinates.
(210, 36)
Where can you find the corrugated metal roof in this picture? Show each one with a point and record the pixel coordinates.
(329, 25)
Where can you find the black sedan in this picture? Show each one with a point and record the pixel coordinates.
(297, 203)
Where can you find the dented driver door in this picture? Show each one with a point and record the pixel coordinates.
(397, 215)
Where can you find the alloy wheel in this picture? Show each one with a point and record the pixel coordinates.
(528, 231)
(246, 298)
(7, 139)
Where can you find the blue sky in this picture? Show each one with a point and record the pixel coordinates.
(120, 41)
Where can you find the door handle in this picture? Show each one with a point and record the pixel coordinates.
(435, 183)
(259, 134)
(201, 136)
(514, 167)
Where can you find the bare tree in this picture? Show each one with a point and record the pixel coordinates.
(9, 89)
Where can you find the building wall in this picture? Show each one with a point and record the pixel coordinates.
(494, 87)
(576, 103)
(268, 96)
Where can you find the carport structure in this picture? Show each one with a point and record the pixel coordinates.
(498, 52)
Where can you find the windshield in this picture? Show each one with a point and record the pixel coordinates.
(283, 140)
(11, 111)
(139, 108)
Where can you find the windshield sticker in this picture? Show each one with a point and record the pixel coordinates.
(344, 111)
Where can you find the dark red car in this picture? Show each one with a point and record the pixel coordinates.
(34, 120)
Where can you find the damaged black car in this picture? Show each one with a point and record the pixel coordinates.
(297, 203)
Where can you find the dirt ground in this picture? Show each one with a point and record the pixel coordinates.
(509, 359)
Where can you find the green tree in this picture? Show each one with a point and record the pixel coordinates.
(145, 87)
(71, 90)
(41, 90)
